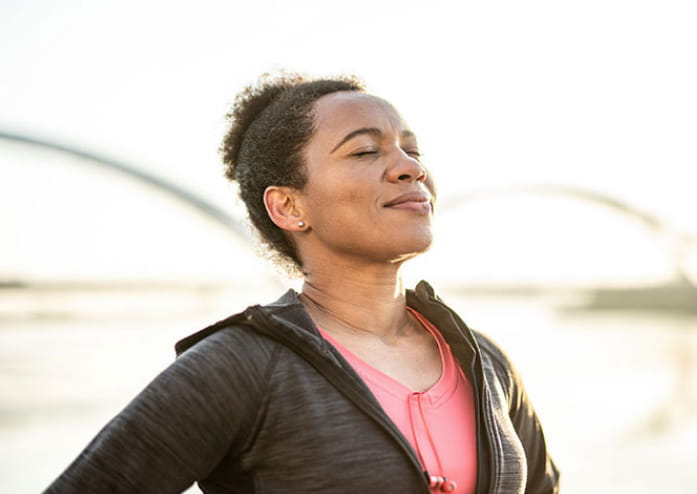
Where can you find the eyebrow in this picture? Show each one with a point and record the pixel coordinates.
(367, 130)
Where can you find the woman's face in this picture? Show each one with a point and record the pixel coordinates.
(367, 194)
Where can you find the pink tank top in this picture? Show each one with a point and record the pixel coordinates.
(439, 423)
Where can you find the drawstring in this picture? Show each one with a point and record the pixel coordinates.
(428, 434)
(413, 429)
(434, 481)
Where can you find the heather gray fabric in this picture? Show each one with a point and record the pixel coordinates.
(260, 403)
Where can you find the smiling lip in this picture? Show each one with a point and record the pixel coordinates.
(414, 201)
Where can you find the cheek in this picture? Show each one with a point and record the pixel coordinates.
(344, 196)
(340, 197)
(344, 211)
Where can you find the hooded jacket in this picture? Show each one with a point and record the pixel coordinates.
(261, 403)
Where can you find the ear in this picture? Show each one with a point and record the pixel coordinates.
(282, 208)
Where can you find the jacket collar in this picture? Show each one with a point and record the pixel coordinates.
(289, 319)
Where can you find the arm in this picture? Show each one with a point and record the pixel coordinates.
(180, 426)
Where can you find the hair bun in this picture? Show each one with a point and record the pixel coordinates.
(248, 105)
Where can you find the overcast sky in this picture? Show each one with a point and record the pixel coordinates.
(599, 93)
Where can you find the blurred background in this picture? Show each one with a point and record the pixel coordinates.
(561, 134)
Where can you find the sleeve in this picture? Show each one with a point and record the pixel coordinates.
(543, 474)
(179, 427)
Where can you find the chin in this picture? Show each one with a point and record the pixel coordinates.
(413, 249)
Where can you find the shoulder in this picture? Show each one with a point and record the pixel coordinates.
(497, 362)
(226, 339)
(238, 327)
(232, 350)
(492, 351)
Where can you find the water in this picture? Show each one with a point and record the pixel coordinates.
(617, 391)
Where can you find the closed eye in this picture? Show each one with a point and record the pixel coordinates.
(364, 153)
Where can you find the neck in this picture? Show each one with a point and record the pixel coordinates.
(366, 299)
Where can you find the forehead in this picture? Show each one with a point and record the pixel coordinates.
(345, 111)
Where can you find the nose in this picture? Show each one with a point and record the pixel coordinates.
(406, 168)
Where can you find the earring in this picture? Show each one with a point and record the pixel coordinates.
(301, 224)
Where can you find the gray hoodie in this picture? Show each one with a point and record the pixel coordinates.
(261, 403)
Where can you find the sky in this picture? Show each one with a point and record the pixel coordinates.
(594, 94)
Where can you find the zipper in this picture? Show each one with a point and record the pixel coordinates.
(338, 377)
(482, 416)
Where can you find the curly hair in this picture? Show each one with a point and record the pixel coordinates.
(270, 123)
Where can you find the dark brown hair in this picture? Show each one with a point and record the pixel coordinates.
(270, 123)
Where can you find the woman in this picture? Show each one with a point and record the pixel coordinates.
(353, 385)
